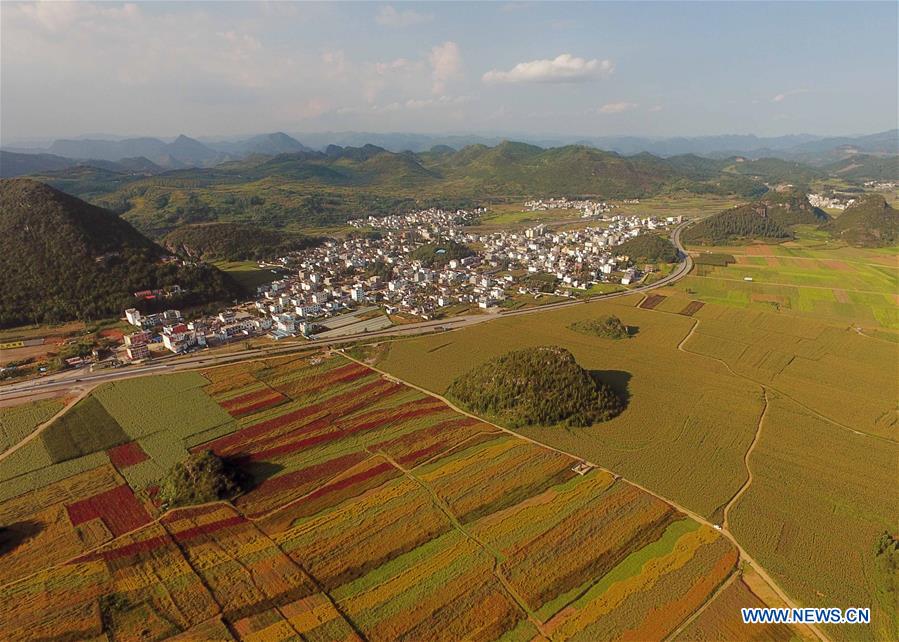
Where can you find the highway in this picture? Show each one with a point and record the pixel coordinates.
(79, 379)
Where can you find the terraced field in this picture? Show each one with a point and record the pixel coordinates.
(374, 511)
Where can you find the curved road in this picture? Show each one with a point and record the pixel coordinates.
(73, 379)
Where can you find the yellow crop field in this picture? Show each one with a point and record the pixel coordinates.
(819, 499)
(688, 420)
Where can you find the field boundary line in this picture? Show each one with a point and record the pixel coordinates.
(34, 434)
(734, 574)
(497, 572)
(785, 395)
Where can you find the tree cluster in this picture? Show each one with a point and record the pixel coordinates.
(536, 386)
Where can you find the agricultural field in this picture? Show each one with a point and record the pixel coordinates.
(820, 498)
(812, 277)
(827, 451)
(17, 422)
(371, 511)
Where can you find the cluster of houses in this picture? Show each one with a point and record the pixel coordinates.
(367, 272)
(588, 209)
(830, 202)
(429, 218)
(172, 332)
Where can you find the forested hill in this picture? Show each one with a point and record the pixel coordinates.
(235, 241)
(737, 224)
(871, 222)
(63, 259)
(768, 219)
(542, 386)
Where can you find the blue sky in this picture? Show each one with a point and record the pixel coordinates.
(641, 68)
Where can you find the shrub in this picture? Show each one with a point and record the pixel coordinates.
(608, 326)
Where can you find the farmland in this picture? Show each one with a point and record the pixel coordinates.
(812, 277)
(371, 511)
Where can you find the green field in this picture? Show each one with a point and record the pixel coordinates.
(16, 422)
(813, 277)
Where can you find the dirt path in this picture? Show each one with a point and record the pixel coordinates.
(768, 386)
(34, 434)
(695, 516)
(755, 441)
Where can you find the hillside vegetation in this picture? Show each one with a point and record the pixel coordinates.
(536, 386)
(63, 259)
(319, 189)
(768, 219)
(235, 241)
(648, 248)
(201, 477)
(870, 222)
(440, 253)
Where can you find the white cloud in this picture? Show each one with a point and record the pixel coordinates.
(400, 65)
(446, 64)
(655, 108)
(617, 108)
(779, 98)
(388, 16)
(562, 68)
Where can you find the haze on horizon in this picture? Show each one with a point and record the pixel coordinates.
(649, 69)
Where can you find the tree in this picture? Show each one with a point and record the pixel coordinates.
(202, 477)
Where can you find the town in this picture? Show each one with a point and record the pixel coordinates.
(417, 266)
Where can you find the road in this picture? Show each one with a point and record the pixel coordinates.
(24, 390)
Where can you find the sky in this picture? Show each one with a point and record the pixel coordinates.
(591, 69)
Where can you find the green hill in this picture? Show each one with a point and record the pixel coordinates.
(861, 167)
(792, 208)
(440, 253)
(869, 222)
(735, 225)
(648, 248)
(776, 170)
(536, 386)
(234, 241)
(62, 259)
(768, 219)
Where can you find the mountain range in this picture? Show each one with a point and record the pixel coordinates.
(184, 152)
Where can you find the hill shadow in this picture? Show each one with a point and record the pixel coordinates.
(250, 474)
(618, 381)
(12, 536)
